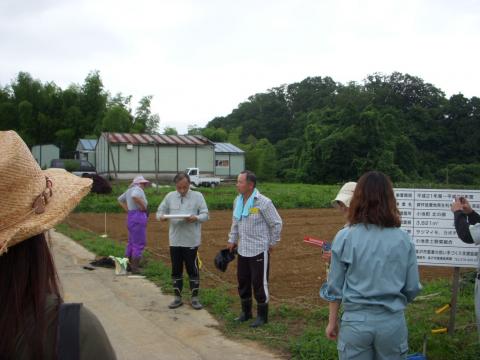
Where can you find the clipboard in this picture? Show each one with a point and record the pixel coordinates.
(176, 216)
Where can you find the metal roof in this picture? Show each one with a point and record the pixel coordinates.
(88, 144)
(127, 138)
(227, 148)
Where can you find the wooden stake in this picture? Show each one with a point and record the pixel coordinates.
(453, 303)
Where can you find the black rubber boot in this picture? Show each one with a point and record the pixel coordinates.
(262, 315)
(246, 313)
(177, 289)
(194, 287)
(135, 266)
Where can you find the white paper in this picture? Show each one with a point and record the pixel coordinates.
(176, 216)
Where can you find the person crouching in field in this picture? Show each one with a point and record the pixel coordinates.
(374, 274)
(256, 228)
(184, 236)
(135, 203)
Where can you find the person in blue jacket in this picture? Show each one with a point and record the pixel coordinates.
(373, 274)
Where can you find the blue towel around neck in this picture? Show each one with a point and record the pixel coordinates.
(241, 210)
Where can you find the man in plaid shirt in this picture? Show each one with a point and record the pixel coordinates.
(256, 228)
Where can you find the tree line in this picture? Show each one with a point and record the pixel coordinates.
(322, 131)
(314, 131)
(44, 113)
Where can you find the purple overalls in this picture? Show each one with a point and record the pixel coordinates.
(137, 233)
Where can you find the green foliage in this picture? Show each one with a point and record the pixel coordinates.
(467, 174)
(8, 114)
(43, 113)
(66, 138)
(285, 196)
(170, 131)
(145, 121)
(71, 165)
(316, 130)
(216, 135)
(91, 241)
(261, 158)
(327, 132)
(117, 119)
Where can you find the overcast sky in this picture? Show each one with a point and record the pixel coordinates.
(200, 59)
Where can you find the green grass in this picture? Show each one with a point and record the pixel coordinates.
(298, 332)
(429, 185)
(422, 319)
(284, 196)
(92, 242)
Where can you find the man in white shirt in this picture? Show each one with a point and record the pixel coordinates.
(184, 235)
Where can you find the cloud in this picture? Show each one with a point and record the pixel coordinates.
(200, 59)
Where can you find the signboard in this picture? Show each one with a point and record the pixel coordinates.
(427, 217)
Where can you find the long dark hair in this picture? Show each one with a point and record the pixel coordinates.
(374, 202)
(27, 277)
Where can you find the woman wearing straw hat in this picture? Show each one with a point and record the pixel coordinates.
(34, 322)
(374, 274)
(135, 203)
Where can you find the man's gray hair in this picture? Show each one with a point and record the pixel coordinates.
(251, 177)
(180, 176)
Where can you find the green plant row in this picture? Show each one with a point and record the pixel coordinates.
(284, 196)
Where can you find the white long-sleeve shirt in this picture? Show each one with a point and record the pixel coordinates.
(182, 233)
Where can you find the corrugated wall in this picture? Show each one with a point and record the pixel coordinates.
(168, 158)
(101, 152)
(91, 157)
(206, 159)
(236, 164)
(222, 170)
(127, 160)
(147, 158)
(141, 158)
(44, 154)
(186, 157)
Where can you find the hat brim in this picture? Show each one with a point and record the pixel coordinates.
(345, 199)
(68, 190)
(146, 182)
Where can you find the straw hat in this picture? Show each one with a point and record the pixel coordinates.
(345, 194)
(32, 200)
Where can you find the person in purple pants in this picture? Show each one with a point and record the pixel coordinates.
(135, 203)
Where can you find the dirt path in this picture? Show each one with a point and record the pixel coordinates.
(135, 315)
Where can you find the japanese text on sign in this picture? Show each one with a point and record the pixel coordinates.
(426, 216)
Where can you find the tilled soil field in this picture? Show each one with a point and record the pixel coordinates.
(297, 269)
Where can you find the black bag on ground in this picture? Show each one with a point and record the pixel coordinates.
(103, 262)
